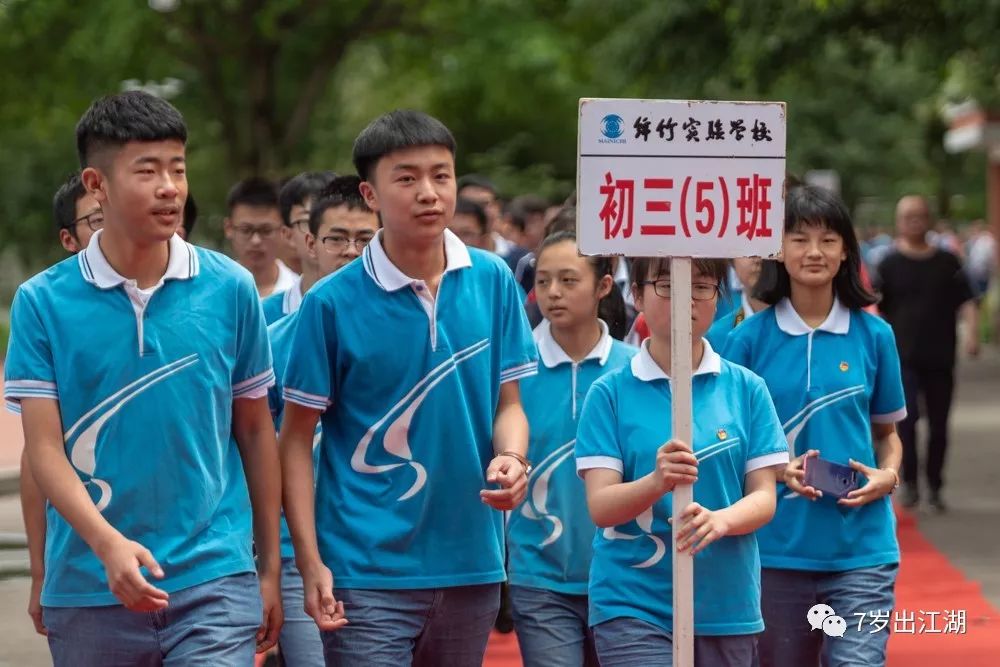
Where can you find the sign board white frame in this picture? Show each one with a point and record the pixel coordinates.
(680, 179)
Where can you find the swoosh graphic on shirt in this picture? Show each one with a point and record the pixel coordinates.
(645, 523)
(538, 495)
(794, 426)
(83, 453)
(396, 439)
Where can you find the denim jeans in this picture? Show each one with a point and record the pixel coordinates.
(626, 642)
(439, 627)
(552, 628)
(789, 640)
(299, 641)
(214, 623)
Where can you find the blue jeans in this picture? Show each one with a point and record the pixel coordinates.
(790, 641)
(214, 623)
(299, 641)
(438, 627)
(552, 628)
(627, 642)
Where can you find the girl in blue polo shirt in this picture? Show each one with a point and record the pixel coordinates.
(833, 373)
(629, 473)
(549, 536)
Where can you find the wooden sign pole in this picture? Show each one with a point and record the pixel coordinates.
(680, 387)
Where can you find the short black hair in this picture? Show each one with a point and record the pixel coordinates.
(254, 191)
(465, 206)
(300, 188)
(115, 120)
(403, 128)
(64, 203)
(476, 181)
(340, 191)
(653, 268)
(190, 216)
(812, 206)
(522, 207)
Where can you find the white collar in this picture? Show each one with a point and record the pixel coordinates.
(745, 302)
(552, 354)
(837, 322)
(647, 370)
(181, 265)
(293, 297)
(286, 277)
(387, 276)
(621, 273)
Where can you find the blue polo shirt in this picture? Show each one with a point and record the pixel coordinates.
(625, 420)
(282, 334)
(829, 385)
(719, 331)
(282, 303)
(145, 381)
(550, 535)
(408, 386)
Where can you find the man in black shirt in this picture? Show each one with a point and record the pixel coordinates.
(923, 288)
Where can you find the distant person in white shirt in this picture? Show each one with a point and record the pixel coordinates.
(252, 225)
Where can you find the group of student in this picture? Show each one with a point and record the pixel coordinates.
(337, 481)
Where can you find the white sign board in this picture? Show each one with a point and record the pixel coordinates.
(680, 178)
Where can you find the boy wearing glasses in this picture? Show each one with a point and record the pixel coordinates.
(340, 226)
(294, 200)
(77, 214)
(252, 225)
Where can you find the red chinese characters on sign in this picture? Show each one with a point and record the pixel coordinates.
(617, 212)
(704, 207)
(754, 205)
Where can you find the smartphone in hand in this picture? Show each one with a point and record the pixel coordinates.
(831, 478)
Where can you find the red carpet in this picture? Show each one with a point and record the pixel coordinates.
(927, 583)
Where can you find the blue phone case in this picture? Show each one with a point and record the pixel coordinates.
(831, 478)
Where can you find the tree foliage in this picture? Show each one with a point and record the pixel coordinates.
(275, 86)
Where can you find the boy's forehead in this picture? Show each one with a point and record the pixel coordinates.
(165, 150)
(342, 216)
(418, 156)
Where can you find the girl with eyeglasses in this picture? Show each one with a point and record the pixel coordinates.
(630, 463)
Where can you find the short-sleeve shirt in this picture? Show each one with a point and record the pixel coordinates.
(282, 303)
(549, 536)
(145, 382)
(920, 299)
(625, 420)
(829, 385)
(282, 334)
(408, 386)
(719, 331)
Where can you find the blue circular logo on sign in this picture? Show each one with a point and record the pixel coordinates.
(612, 126)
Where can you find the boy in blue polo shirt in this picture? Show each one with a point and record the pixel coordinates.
(629, 474)
(411, 357)
(145, 435)
(294, 201)
(340, 226)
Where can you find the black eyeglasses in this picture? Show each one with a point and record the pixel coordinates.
(302, 224)
(338, 243)
(699, 291)
(94, 220)
(247, 231)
